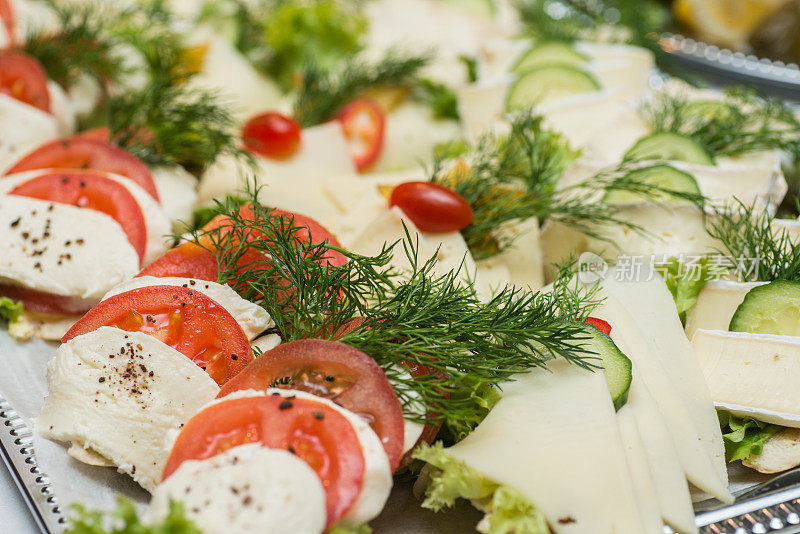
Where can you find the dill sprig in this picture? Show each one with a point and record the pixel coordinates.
(323, 93)
(741, 123)
(753, 245)
(79, 46)
(516, 177)
(418, 318)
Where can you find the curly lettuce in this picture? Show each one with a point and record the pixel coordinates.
(507, 511)
(10, 310)
(686, 281)
(744, 437)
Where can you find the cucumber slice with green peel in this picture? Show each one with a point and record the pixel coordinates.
(663, 176)
(552, 52)
(708, 110)
(668, 146)
(547, 83)
(617, 367)
(773, 308)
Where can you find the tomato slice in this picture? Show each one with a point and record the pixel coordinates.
(8, 19)
(192, 261)
(429, 431)
(41, 302)
(600, 324)
(272, 135)
(181, 317)
(88, 153)
(24, 79)
(95, 192)
(317, 433)
(432, 207)
(364, 124)
(337, 372)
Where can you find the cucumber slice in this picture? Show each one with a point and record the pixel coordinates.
(662, 176)
(547, 83)
(669, 146)
(616, 366)
(709, 109)
(773, 308)
(552, 52)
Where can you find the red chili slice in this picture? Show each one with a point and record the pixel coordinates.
(364, 124)
(600, 324)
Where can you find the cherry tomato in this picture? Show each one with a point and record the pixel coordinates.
(24, 79)
(364, 124)
(600, 324)
(317, 433)
(272, 135)
(181, 317)
(88, 153)
(93, 191)
(7, 17)
(337, 372)
(432, 207)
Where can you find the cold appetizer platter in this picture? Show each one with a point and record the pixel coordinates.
(306, 266)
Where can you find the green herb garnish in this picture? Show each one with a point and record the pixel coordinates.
(125, 520)
(744, 437)
(10, 310)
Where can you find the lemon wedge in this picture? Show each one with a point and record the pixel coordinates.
(726, 23)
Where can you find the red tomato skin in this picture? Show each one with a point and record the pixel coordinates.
(185, 319)
(41, 302)
(93, 191)
(329, 444)
(272, 135)
(9, 21)
(88, 153)
(432, 207)
(23, 78)
(371, 135)
(600, 324)
(368, 392)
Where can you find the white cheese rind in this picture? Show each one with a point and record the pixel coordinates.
(102, 397)
(24, 129)
(80, 253)
(753, 375)
(554, 438)
(251, 317)
(645, 326)
(716, 304)
(250, 487)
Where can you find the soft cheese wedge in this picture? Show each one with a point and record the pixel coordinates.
(646, 328)
(63, 250)
(251, 317)
(551, 429)
(119, 395)
(752, 375)
(716, 304)
(520, 264)
(251, 486)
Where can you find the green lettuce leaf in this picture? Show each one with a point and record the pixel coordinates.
(507, 511)
(9, 309)
(685, 281)
(124, 520)
(744, 436)
(363, 529)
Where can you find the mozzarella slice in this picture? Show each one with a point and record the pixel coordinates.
(552, 428)
(645, 326)
(752, 375)
(119, 394)
(23, 128)
(63, 250)
(251, 317)
(716, 304)
(249, 488)
(177, 190)
(266, 342)
(377, 474)
(157, 224)
(672, 491)
(61, 108)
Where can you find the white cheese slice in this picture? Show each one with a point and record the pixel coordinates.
(177, 190)
(157, 225)
(250, 487)
(24, 129)
(482, 108)
(552, 428)
(752, 375)
(120, 394)
(644, 486)
(645, 326)
(716, 304)
(266, 342)
(251, 317)
(521, 263)
(61, 108)
(62, 249)
(672, 491)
